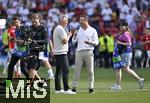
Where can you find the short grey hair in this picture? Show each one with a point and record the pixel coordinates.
(61, 17)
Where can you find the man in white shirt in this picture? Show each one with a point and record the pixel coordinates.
(60, 39)
(86, 39)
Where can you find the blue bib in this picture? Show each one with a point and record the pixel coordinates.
(20, 53)
(117, 62)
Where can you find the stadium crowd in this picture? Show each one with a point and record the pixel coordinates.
(103, 16)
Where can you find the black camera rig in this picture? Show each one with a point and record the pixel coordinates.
(28, 37)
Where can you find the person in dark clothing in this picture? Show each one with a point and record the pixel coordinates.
(60, 40)
(39, 41)
(20, 51)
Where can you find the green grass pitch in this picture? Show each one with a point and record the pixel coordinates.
(104, 78)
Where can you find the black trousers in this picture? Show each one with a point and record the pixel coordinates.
(105, 59)
(12, 63)
(62, 70)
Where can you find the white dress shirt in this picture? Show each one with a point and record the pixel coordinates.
(90, 34)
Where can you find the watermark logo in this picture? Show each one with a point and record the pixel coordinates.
(18, 90)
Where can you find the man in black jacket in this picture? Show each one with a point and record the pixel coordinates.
(38, 38)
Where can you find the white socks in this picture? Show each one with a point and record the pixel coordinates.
(50, 74)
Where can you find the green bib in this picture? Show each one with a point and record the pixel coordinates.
(5, 37)
(117, 59)
(21, 48)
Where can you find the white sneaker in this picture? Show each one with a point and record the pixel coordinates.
(51, 77)
(69, 92)
(116, 87)
(141, 83)
(59, 91)
(4, 71)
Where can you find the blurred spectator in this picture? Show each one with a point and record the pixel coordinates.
(129, 17)
(145, 4)
(3, 56)
(53, 13)
(24, 12)
(147, 25)
(89, 7)
(11, 11)
(110, 45)
(72, 4)
(106, 49)
(79, 10)
(103, 14)
(107, 15)
(138, 54)
(123, 11)
(103, 51)
(95, 19)
(146, 48)
(3, 13)
(74, 23)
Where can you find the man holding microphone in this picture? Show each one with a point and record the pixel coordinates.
(86, 39)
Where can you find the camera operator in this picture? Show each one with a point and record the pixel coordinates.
(38, 47)
(19, 50)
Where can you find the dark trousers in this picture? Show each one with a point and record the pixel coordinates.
(105, 59)
(24, 70)
(62, 70)
(13, 61)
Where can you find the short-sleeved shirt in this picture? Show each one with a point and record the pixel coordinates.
(21, 49)
(146, 38)
(58, 35)
(11, 32)
(125, 37)
(20, 35)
